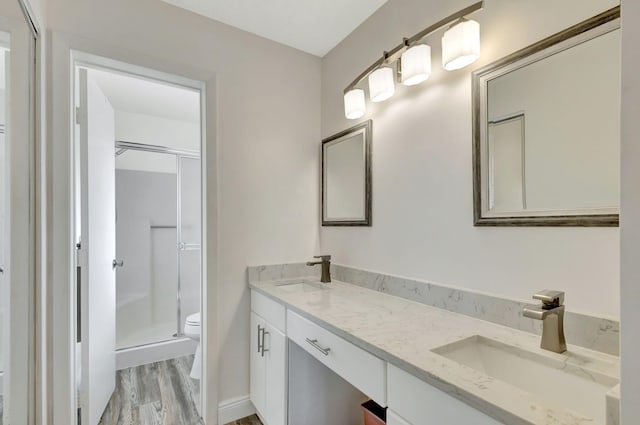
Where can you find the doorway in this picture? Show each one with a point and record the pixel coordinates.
(138, 232)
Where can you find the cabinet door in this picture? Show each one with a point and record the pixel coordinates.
(276, 383)
(258, 365)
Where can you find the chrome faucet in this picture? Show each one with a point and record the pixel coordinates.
(325, 260)
(551, 312)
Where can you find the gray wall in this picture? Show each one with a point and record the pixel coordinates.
(422, 176)
(263, 133)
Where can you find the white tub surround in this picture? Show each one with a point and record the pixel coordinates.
(157, 352)
(403, 334)
(595, 333)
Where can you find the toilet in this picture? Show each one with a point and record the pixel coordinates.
(192, 330)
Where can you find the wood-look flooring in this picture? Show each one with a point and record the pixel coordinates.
(160, 393)
(251, 420)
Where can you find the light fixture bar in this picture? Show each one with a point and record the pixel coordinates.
(395, 53)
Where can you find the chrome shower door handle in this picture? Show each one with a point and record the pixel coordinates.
(117, 263)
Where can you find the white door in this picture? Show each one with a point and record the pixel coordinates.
(276, 381)
(257, 364)
(98, 247)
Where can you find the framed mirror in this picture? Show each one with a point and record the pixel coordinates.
(346, 177)
(546, 131)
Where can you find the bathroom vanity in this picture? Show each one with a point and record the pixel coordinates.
(427, 365)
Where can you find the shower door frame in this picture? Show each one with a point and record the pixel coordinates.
(122, 146)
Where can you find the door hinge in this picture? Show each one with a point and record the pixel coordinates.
(81, 257)
(78, 115)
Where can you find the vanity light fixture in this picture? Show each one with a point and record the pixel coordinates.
(416, 64)
(381, 85)
(461, 44)
(412, 59)
(354, 105)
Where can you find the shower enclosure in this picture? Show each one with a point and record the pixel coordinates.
(158, 209)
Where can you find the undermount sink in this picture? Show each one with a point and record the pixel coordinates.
(301, 286)
(550, 378)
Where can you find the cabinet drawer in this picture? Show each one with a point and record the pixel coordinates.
(395, 419)
(270, 310)
(361, 369)
(420, 403)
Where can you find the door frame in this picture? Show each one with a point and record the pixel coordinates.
(93, 61)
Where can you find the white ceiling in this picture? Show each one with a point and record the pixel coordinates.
(313, 26)
(140, 96)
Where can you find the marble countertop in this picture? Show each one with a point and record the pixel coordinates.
(405, 332)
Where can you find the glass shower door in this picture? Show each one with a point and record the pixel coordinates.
(189, 231)
(146, 237)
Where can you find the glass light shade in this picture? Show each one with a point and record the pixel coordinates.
(354, 106)
(381, 86)
(461, 45)
(416, 64)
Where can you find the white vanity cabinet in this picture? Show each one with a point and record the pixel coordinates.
(410, 400)
(394, 419)
(268, 360)
(414, 402)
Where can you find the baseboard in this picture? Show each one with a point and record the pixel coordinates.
(234, 409)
